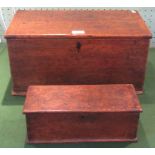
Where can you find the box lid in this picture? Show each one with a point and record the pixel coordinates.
(82, 98)
(77, 23)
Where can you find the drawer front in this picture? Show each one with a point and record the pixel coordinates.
(74, 127)
(77, 61)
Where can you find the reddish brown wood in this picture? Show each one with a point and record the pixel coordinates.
(42, 49)
(81, 113)
(47, 24)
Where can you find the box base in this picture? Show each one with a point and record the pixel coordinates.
(79, 141)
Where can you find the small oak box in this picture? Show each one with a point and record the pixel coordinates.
(81, 113)
(77, 47)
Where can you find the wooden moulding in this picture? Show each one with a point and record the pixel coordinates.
(79, 141)
(24, 93)
(87, 113)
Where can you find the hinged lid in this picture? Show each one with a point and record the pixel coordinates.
(77, 23)
(82, 98)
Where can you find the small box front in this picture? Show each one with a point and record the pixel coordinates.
(81, 127)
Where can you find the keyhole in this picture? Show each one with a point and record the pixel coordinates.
(78, 46)
(82, 117)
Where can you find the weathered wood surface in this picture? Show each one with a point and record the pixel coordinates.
(43, 50)
(88, 113)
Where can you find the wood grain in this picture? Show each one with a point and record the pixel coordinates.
(58, 61)
(101, 23)
(43, 51)
(59, 114)
(82, 98)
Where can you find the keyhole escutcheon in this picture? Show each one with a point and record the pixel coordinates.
(78, 46)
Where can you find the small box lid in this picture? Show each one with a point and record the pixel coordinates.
(77, 23)
(82, 98)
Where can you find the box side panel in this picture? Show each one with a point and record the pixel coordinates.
(78, 127)
(77, 61)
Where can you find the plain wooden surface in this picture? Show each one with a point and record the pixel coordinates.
(58, 62)
(62, 127)
(43, 51)
(99, 23)
(96, 113)
(82, 98)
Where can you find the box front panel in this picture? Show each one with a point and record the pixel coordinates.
(77, 61)
(78, 127)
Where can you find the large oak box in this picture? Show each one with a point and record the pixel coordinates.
(77, 47)
(81, 113)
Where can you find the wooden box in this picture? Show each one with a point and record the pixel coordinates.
(77, 47)
(81, 113)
